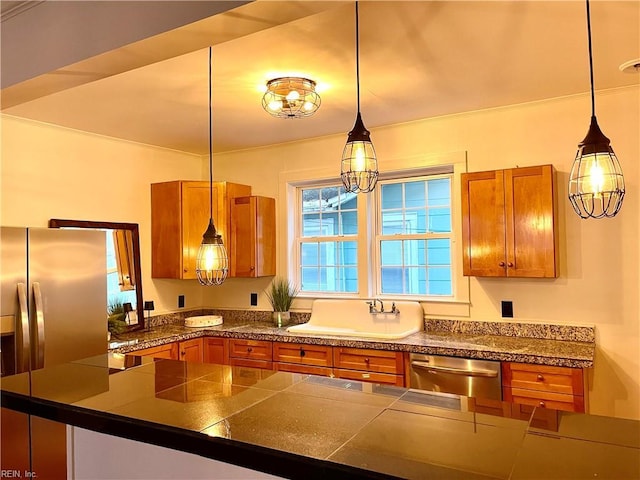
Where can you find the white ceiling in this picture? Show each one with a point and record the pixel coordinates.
(418, 59)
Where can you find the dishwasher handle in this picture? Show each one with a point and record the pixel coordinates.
(455, 371)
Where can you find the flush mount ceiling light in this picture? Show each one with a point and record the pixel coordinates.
(291, 97)
(212, 263)
(596, 183)
(359, 167)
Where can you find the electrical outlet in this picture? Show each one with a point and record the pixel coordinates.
(180, 301)
(507, 308)
(254, 299)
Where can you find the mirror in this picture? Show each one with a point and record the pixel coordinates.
(124, 279)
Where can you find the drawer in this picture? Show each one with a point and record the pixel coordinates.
(556, 401)
(379, 361)
(318, 355)
(543, 378)
(374, 377)
(250, 349)
(168, 350)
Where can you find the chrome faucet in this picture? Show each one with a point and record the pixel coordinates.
(372, 306)
(394, 309)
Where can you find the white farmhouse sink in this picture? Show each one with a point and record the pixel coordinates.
(351, 318)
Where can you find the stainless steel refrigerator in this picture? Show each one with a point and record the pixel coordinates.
(53, 301)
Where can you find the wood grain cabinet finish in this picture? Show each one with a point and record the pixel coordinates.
(215, 350)
(509, 223)
(168, 351)
(180, 213)
(191, 350)
(559, 388)
(302, 358)
(378, 366)
(250, 353)
(253, 237)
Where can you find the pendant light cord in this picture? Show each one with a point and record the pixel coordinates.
(593, 98)
(210, 147)
(357, 59)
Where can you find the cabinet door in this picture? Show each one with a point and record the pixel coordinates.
(216, 350)
(168, 350)
(253, 237)
(195, 220)
(483, 224)
(300, 353)
(191, 350)
(530, 217)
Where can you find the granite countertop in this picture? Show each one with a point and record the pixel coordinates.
(303, 426)
(563, 346)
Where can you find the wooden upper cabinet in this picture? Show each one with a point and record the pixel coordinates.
(509, 223)
(180, 213)
(253, 237)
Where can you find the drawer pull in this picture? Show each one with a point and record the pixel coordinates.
(249, 350)
(366, 360)
(540, 377)
(501, 264)
(542, 404)
(302, 352)
(510, 264)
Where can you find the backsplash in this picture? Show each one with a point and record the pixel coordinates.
(574, 333)
(237, 315)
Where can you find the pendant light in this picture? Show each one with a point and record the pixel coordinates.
(596, 183)
(212, 264)
(359, 168)
(291, 97)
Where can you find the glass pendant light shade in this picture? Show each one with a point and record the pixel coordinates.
(596, 183)
(359, 169)
(291, 97)
(212, 264)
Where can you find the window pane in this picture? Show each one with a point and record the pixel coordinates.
(416, 281)
(349, 223)
(439, 192)
(392, 223)
(391, 252)
(391, 196)
(439, 252)
(415, 194)
(440, 281)
(349, 253)
(414, 252)
(309, 254)
(440, 220)
(391, 280)
(311, 226)
(311, 200)
(415, 221)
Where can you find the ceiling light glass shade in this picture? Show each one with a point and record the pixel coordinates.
(359, 168)
(212, 263)
(291, 97)
(596, 183)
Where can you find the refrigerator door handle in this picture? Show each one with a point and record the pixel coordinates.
(38, 352)
(23, 345)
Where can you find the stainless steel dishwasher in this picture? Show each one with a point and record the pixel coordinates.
(462, 376)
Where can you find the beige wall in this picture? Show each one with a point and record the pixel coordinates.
(51, 172)
(600, 265)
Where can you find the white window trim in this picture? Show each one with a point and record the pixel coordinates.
(289, 181)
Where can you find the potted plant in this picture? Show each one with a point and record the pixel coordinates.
(281, 295)
(116, 315)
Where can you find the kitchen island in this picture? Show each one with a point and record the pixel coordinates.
(302, 426)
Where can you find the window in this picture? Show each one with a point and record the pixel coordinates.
(403, 239)
(328, 246)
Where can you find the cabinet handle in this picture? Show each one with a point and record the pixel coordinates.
(249, 350)
(252, 268)
(302, 352)
(510, 264)
(540, 377)
(183, 353)
(501, 264)
(366, 360)
(542, 404)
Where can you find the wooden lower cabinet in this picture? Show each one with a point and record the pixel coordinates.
(368, 365)
(559, 388)
(215, 350)
(187, 350)
(302, 358)
(250, 353)
(190, 350)
(168, 351)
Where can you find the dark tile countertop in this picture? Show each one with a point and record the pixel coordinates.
(303, 426)
(483, 340)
